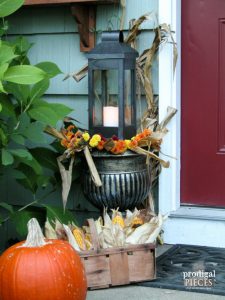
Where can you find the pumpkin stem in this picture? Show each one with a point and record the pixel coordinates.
(35, 237)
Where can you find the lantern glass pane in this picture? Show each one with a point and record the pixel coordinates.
(105, 108)
(127, 98)
(97, 107)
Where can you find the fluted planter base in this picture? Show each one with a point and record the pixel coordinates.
(125, 181)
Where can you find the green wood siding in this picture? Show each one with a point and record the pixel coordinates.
(53, 31)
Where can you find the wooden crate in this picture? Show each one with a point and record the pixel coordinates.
(118, 265)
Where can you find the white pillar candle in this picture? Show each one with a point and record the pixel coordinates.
(110, 116)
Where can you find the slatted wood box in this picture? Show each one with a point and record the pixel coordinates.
(118, 266)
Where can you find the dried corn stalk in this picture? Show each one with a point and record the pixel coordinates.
(66, 176)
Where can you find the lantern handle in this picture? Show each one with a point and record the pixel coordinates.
(112, 36)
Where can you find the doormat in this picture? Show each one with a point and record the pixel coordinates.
(191, 268)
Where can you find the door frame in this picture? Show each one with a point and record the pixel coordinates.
(186, 224)
(169, 95)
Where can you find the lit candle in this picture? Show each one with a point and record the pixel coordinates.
(110, 116)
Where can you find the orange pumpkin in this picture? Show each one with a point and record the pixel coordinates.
(40, 269)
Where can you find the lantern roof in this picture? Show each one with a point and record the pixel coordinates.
(112, 46)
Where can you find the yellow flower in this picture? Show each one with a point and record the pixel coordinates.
(96, 138)
(86, 136)
(128, 143)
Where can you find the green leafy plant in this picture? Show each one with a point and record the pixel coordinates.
(24, 115)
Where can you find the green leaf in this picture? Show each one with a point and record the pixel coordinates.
(21, 218)
(7, 158)
(3, 68)
(8, 108)
(44, 114)
(2, 90)
(7, 7)
(46, 157)
(34, 132)
(23, 153)
(17, 138)
(39, 89)
(43, 181)
(29, 181)
(7, 207)
(58, 213)
(6, 53)
(20, 91)
(57, 147)
(50, 68)
(61, 110)
(22, 45)
(4, 28)
(24, 74)
(0, 107)
(33, 164)
(24, 122)
(17, 174)
(3, 137)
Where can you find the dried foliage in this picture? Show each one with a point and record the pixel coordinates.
(66, 176)
(144, 64)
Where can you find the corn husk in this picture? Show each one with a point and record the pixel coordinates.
(139, 150)
(71, 238)
(54, 132)
(99, 224)
(60, 231)
(130, 216)
(119, 235)
(79, 75)
(140, 234)
(106, 218)
(49, 231)
(92, 168)
(158, 226)
(66, 176)
(134, 31)
(112, 234)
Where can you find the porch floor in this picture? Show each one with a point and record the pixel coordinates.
(147, 293)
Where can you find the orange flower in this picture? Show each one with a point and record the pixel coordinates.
(147, 132)
(77, 140)
(120, 147)
(100, 145)
(133, 144)
(69, 135)
(64, 143)
(70, 127)
(142, 135)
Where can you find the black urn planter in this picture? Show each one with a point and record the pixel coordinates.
(125, 180)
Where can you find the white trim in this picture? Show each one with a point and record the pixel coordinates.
(169, 95)
(199, 213)
(195, 231)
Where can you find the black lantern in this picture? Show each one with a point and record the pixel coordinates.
(111, 87)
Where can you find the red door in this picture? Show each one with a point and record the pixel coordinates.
(203, 103)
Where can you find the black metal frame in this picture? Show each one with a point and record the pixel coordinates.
(111, 54)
